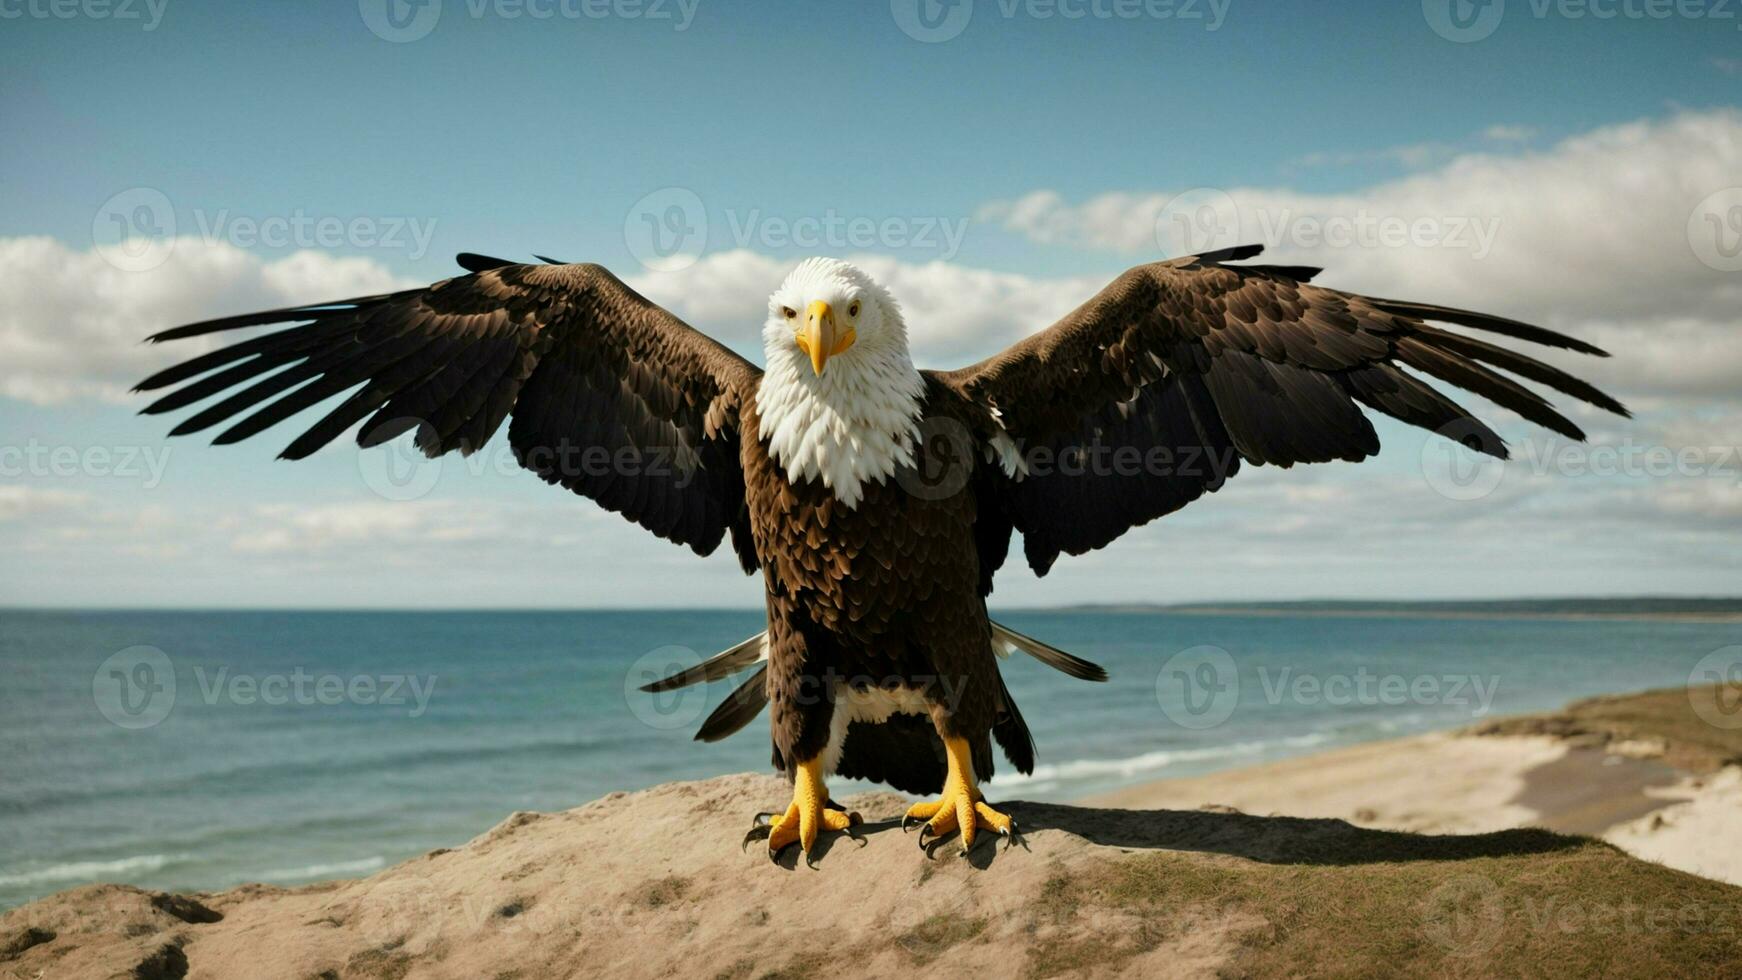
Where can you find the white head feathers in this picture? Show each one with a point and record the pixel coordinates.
(857, 421)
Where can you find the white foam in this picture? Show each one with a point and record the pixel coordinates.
(336, 869)
(88, 870)
(1050, 775)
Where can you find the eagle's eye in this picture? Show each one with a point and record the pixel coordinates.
(788, 312)
(854, 309)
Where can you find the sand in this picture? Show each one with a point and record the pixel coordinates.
(1463, 783)
(653, 884)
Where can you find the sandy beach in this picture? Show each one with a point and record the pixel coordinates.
(1644, 772)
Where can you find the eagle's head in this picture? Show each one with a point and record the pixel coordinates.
(829, 312)
(840, 399)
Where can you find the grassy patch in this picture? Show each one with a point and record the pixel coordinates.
(1582, 911)
(802, 967)
(1675, 716)
(938, 933)
(660, 892)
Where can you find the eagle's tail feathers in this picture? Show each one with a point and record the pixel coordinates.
(739, 709)
(1006, 641)
(1012, 733)
(725, 663)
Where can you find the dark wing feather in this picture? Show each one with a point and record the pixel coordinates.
(610, 395)
(739, 709)
(1196, 366)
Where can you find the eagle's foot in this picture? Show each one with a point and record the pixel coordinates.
(962, 806)
(810, 813)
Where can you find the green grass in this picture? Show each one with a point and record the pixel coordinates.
(1676, 716)
(931, 938)
(1583, 911)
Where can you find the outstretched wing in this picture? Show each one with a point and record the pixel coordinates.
(613, 397)
(1154, 391)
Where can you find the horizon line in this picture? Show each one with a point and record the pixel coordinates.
(1191, 605)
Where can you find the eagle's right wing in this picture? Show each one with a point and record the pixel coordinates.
(613, 397)
(1181, 370)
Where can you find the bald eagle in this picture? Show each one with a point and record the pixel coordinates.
(877, 500)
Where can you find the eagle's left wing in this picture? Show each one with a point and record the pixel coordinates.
(1152, 392)
(612, 396)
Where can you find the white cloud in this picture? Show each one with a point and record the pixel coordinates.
(1409, 155)
(1595, 226)
(1591, 236)
(71, 323)
(271, 529)
(1509, 134)
(21, 501)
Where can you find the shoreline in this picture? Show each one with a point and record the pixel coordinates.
(1641, 771)
(1718, 618)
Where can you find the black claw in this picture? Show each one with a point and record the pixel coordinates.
(774, 855)
(908, 820)
(756, 833)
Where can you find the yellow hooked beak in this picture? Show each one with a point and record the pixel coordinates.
(819, 338)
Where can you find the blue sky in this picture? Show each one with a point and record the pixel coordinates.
(503, 132)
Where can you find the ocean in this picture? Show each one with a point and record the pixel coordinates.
(200, 750)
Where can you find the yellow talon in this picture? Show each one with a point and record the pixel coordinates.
(961, 807)
(808, 814)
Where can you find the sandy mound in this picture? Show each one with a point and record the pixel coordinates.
(654, 883)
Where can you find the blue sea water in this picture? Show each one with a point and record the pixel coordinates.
(199, 750)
